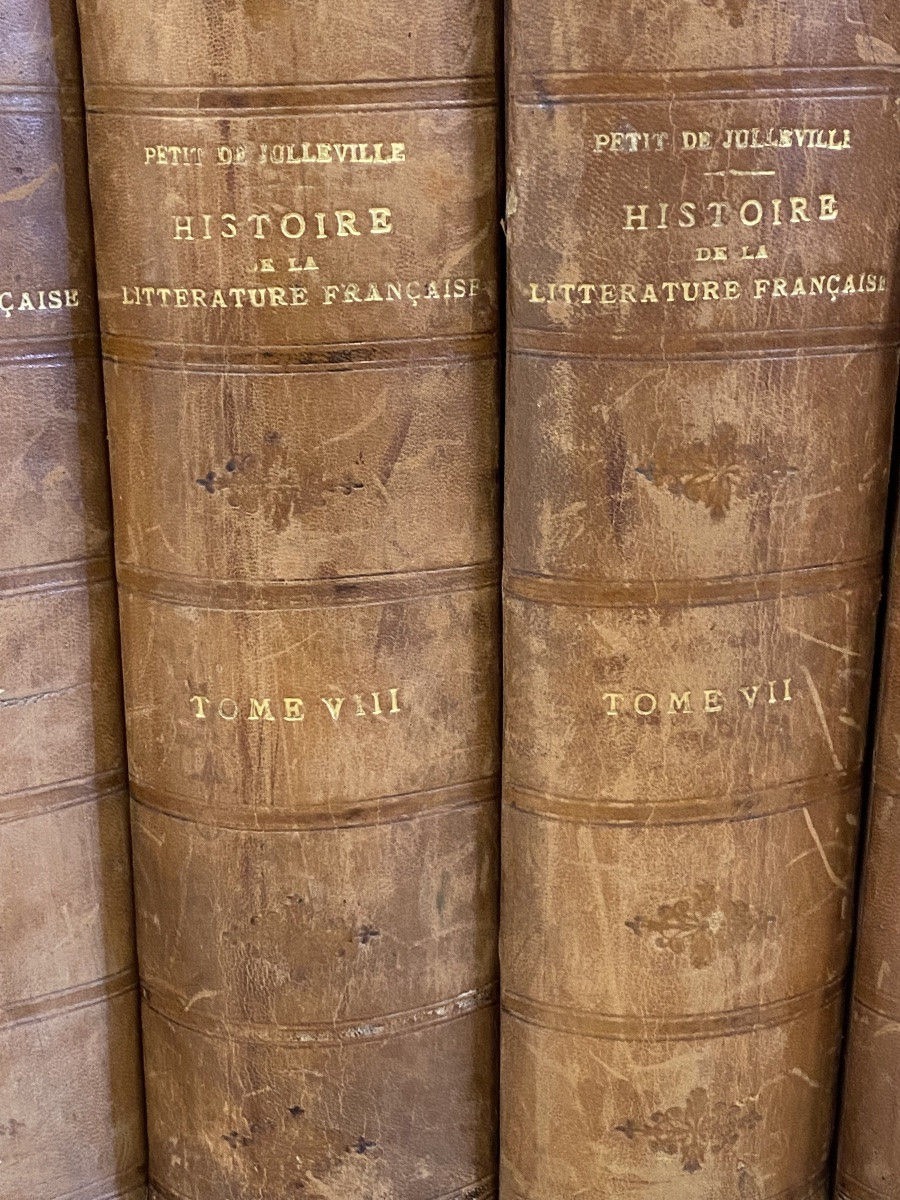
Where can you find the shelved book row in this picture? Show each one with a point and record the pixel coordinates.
(265, 272)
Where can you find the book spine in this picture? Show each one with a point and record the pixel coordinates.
(703, 231)
(296, 237)
(869, 1150)
(71, 1112)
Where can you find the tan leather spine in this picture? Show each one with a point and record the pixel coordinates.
(71, 1112)
(295, 210)
(703, 225)
(869, 1151)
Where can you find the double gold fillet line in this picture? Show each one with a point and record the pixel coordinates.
(41, 350)
(850, 82)
(813, 1189)
(335, 1034)
(69, 1001)
(287, 99)
(382, 810)
(716, 808)
(462, 349)
(680, 1028)
(725, 345)
(482, 1189)
(665, 593)
(253, 595)
(49, 578)
(57, 796)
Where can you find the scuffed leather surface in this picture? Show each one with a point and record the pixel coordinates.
(306, 503)
(71, 1111)
(695, 512)
(869, 1155)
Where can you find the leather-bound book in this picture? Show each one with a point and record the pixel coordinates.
(71, 1113)
(295, 213)
(869, 1150)
(703, 224)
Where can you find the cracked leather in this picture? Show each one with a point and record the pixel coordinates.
(71, 1112)
(295, 211)
(703, 229)
(869, 1152)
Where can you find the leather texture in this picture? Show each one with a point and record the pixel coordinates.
(296, 223)
(703, 232)
(71, 1111)
(869, 1151)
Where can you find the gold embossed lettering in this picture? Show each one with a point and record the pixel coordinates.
(293, 225)
(636, 217)
(750, 694)
(260, 710)
(382, 221)
(346, 223)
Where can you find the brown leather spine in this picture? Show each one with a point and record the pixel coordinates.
(703, 228)
(295, 211)
(71, 1112)
(869, 1152)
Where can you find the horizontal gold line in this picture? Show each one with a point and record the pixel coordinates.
(16, 88)
(41, 105)
(361, 590)
(726, 354)
(41, 801)
(40, 349)
(292, 359)
(792, 83)
(386, 810)
(698, 346)
(811, 1190)
(590, 97)
(195, 103)
(701, 810)
(482, 1189)
(51, 578)
(332, 85)
(327, 108)
(559, 591)
(63, 1004)
(790, 72)
(339, 1033)
(686, 1028)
